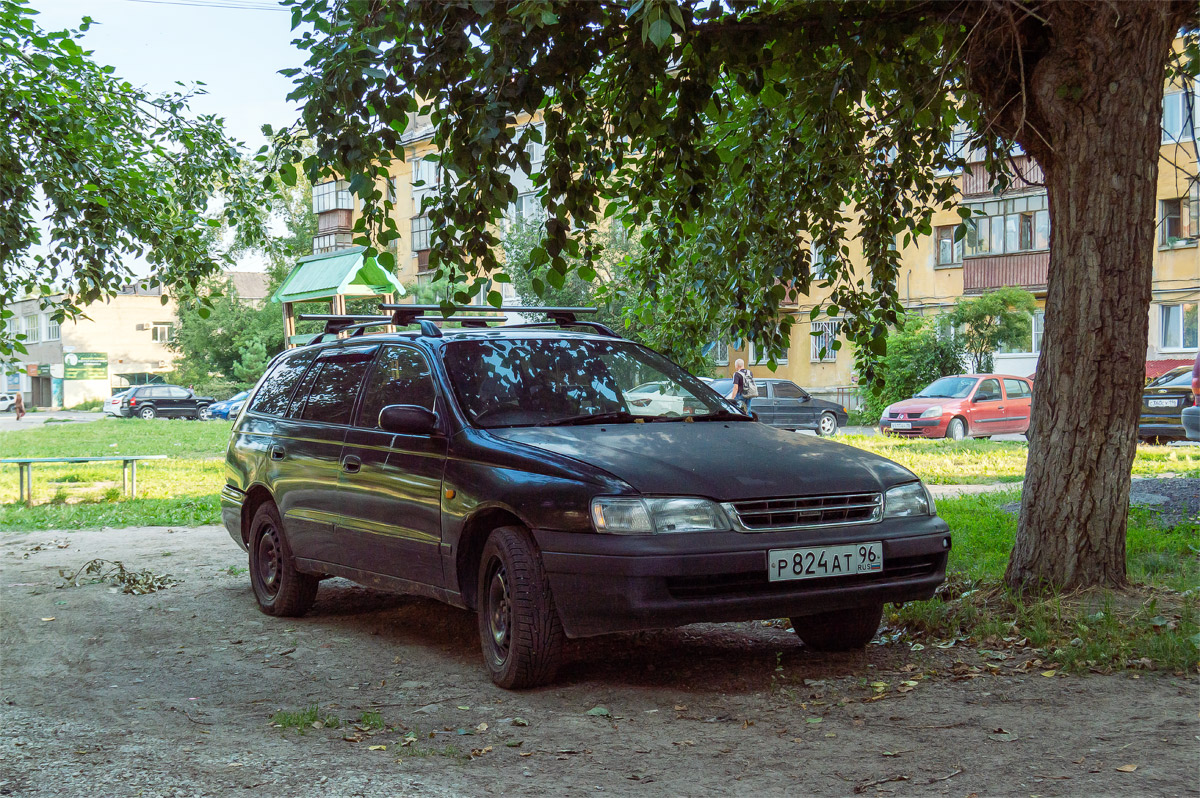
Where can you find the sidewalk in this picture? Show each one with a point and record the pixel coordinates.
(950, 491)
(8, 421)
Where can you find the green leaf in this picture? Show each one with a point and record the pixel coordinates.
(659, 32)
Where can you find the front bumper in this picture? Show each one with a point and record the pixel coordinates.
(921, 427)
(613, 583)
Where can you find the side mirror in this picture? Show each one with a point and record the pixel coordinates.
(407, 420)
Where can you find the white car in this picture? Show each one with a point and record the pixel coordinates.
(7, 401)
(658, 399)
(112, 405)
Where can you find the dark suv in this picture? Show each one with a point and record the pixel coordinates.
(167, 401)
(505, 470)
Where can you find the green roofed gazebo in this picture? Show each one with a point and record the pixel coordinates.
(333, 276)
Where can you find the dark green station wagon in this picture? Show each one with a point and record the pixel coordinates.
(506, 470)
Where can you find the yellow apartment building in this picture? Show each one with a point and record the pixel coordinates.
(1006, 244)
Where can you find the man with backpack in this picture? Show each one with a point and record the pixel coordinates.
(744, 388)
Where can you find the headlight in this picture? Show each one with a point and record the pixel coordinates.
(907, 500)
(932, 412)
(632, 516)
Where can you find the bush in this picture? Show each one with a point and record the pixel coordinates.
(917, 354)
(90, 404)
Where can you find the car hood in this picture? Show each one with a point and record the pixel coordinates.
(726, 461)
(920, 405)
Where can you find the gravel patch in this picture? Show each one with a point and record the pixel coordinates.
(1173, 500)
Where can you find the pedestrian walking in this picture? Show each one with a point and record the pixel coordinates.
(19, 406)
(744, 387)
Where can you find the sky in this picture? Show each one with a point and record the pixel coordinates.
(237, 47)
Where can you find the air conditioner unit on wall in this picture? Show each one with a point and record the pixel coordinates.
(140, 327)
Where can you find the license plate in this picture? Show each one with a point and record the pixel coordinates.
(1161, 402)
(859, 558)
(901, 425)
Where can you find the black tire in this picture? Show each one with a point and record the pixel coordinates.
(147, 413)
(279, 588)
(839, 630)
(519, 630)
(956, 430)
(827, 425)
(203, 413)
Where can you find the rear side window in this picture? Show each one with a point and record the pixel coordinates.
(333, 391)
(1016, 389)
(787, 390)
(272, 396)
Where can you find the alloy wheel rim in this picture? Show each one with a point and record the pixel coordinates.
(499, 612)
(268, 561)
(826, 425)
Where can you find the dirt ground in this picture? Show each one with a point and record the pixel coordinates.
(174, 693)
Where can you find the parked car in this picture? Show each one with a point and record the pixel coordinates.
(7, 402)
(503, 470)
(168, 401)
(1163, 401)
(963, 406)
(784, 404)
(662, 398)
(1191, 415)
(112, 405)
(222, 408)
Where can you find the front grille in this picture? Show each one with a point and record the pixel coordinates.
(748, 585)
(809, 511)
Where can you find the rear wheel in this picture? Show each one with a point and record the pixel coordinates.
(519, 629)
(278, 587)
(956, 430)
(827, 427)
(839, 630)
(147, 413)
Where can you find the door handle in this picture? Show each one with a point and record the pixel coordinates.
(277, 452)
(351, 464)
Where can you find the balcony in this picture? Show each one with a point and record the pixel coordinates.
(335, 221)
(1026, 270)
(1027, 176)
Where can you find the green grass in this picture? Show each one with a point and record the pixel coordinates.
(304, 719)
(977, 461)
(176, 437)
(1157, 620)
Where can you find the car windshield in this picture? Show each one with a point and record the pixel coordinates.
(525, 382)
(1176, 378)
(948, 388)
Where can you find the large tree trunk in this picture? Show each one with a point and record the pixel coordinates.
(1094, 91)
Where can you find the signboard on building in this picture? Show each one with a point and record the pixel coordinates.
(13, 381)
(31, 369)
(85, 366)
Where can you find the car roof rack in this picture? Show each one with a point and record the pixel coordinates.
(428, 316)
(336, 324)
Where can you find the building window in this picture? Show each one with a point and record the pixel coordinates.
(756, 359)
(162, 332)
(391, 189)
(1038, 323)
(719, 354)
(332, 196)
(1179, 326)
(819, 261)
(824, 333)
(1179, 116)
(528, 206)
(999, 227)
(53, 330)
(949, 251)
(32, 328)
(332, 241)
(1180, 220)
(420, 233)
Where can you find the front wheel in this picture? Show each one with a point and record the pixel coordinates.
(203, 413)
(839, 630)
(278, 587)
(147, 413)
(956, 430)
(519, 629)
(827, 427)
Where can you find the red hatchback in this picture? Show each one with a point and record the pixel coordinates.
(963, 406)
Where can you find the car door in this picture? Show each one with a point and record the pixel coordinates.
(987, 413)
(307, 448)
(763, 404)
(390, 484)
(183, 401)
(793, 407)
(1017, 401)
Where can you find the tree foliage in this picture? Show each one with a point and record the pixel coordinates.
(917, 354)
(997, 318)
(96, 173)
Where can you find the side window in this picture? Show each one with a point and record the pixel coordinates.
(988, 391)
(1016, 389)
(333, 392)
(788, 390)
(155, 393)
(272, 396)
(178, 393)
(400, 376)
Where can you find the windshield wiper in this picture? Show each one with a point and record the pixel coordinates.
(723, 415)
(620, 416)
